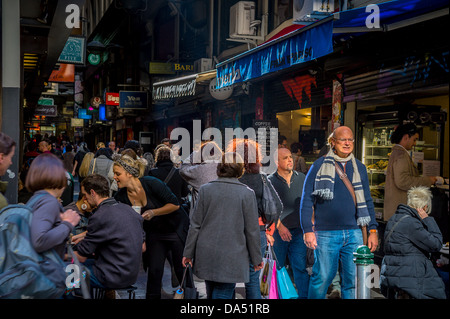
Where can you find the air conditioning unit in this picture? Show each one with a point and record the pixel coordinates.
(311, 10)
(202, 65)
(241, 15)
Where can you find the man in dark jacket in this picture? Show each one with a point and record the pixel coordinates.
(410, 236)
(114, 236)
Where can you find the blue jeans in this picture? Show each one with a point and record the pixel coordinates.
(295, 250)
(219, 290)
(334, 247)
(89, 263)
(252, 288)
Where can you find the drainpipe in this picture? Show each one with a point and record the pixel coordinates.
(211, 29)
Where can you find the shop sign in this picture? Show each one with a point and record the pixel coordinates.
(74, 122)
(96, 101)
(133, 99)
(46, 110)
(302, 47)
(174, 90)
(65, 73)
(46, 101)
(112, 99)
(74, 50)
(169, 68)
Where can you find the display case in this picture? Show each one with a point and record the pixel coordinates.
(376, 148)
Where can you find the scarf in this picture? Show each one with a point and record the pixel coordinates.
(324, 184)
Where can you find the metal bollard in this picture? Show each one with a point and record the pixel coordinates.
(363, 259)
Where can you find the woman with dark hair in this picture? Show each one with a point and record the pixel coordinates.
(7, 149)
(253, 178)
(50, 224)
(162, 169)
(226, 216)
(78, 159)
(402, 172)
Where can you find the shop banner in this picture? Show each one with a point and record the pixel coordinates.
(302, 47)
(174, 89)
(133, 99)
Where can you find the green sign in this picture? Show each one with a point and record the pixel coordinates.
(94, 59)
(74, 51)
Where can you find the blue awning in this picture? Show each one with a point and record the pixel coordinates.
(305, 44)
(392, 15)
(316, 40)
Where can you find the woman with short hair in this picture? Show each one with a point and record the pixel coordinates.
(50, 224)
(225, 216)
(410, 236)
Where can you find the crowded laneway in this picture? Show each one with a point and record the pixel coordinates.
(239, 150)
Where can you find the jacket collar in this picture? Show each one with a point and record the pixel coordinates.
(230, 180)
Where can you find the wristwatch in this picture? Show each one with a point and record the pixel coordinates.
(373, 231)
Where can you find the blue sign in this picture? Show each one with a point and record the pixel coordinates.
(82, 114)
(304, 46)
(133, 100)
(102, 112)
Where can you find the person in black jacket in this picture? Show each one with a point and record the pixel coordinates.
(115, 237)
(164, 224)
(163, 166)
(410, 236)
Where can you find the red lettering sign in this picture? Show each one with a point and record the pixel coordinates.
(112, 99)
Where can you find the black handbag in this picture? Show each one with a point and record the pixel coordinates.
(187, 288)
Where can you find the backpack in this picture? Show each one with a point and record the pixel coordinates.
(24, 273)
(269, 211)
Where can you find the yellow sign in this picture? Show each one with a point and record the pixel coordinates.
(169, 68)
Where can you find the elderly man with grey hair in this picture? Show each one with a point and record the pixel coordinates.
(410, 236)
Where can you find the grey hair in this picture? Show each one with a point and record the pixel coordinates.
(419, 197)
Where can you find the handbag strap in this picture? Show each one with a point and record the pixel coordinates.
(393, 227)
(169, 177)
(349, 186)
(346, 181)
(93, 166)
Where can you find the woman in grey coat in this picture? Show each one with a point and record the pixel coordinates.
(224, 237)
(410, 236)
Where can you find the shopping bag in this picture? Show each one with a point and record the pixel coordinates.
(187, 288)
(273, 288)
(286, 289)
(266, 274)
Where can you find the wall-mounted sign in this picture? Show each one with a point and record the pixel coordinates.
(169, 68)
(46, 101)
(74, 50)
(112, 99)
(65, 73)
(94, 59)
(222, 93)
(76, 122)
(96, 101)
(133, 99)
(82, 114)
(46, 110)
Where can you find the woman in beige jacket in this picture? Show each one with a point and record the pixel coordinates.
(402, 173)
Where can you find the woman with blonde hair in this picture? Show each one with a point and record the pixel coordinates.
(410, 236)
(84, 167)
(164, 224)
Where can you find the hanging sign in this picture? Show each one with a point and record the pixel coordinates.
(133, 100)
(302, 47)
